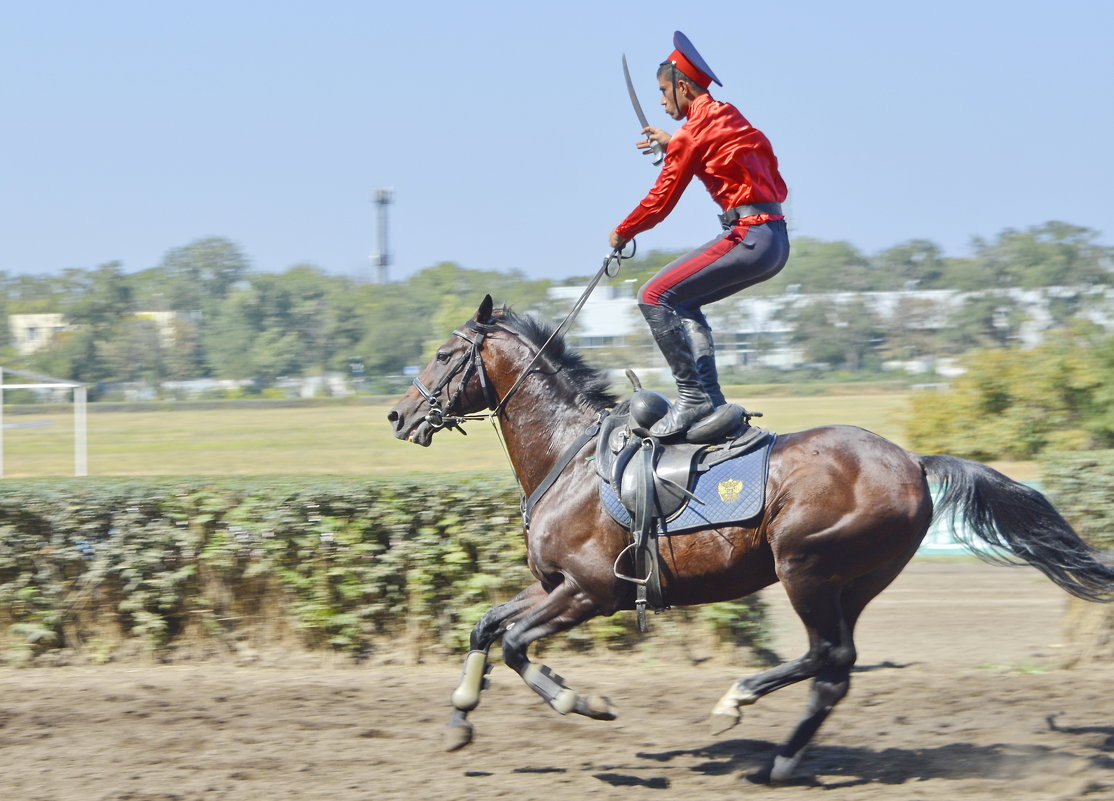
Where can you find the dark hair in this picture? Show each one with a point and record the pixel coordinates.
(667, 69)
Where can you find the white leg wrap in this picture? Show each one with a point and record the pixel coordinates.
(551, 687)
(565, 702)
(466, 696)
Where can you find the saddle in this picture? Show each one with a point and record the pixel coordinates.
(657, 488)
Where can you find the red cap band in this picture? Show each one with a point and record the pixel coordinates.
(681, 62)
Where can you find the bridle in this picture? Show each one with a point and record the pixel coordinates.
(471, 361)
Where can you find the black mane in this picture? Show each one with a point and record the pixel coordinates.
(591, 383)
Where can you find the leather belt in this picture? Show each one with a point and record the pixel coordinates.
(732, 216)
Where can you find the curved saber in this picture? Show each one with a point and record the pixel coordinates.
(658, 154)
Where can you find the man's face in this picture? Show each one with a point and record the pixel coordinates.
(667, 95)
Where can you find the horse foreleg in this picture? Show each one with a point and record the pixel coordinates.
(487, 630)
(563, 609)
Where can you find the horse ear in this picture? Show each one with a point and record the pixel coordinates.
(483, 314)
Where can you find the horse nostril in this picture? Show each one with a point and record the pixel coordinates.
(392, 416)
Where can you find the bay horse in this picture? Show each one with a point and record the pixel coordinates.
(845, 511)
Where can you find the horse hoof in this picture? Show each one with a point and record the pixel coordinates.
(720, 722)
(596, 707)
(783, 768)
(456, 737)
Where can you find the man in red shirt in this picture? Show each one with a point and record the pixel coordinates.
(738, 167)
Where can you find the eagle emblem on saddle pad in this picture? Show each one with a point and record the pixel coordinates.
(720, 487)
(729, 490)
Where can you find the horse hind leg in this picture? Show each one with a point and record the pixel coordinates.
(830, 614)
(473, 679)
(832, 684)
(828, 689)
(818, 606)
(828, 662)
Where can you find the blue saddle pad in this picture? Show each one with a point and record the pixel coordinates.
(731, 492)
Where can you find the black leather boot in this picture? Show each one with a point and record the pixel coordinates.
(693, 402)
(704, 354)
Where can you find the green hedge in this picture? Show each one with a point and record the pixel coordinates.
(97, 566)
(1081, 485)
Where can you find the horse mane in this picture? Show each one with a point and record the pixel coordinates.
(591, 384)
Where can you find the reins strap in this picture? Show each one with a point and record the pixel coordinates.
(615, 255)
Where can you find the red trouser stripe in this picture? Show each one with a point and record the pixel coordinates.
(651, 293)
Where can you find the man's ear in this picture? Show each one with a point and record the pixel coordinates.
(483, 314)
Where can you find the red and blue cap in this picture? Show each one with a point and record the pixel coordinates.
(688, 60)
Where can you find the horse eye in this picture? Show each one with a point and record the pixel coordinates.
(442, 356)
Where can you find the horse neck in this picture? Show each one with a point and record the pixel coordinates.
(539, 423)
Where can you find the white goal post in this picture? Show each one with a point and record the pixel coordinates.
(80, 425)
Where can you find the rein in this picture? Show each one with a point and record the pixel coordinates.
(615, 256)
(440, 416)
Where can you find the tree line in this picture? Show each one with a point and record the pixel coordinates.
(237, 323)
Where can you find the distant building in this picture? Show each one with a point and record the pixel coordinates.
(165, 322)
(755, 331)
(31, 332)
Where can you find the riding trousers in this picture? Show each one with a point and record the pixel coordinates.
(740, 257)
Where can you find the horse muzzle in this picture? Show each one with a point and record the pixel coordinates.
(414, 429)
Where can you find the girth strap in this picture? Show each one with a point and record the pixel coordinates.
(646, 567)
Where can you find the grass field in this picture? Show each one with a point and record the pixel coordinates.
(339, 440)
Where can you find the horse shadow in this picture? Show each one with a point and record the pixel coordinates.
(1107, 745)
(849, 766)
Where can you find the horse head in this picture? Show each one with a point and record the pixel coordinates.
(453, 385)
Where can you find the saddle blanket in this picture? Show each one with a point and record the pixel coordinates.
(730, 492)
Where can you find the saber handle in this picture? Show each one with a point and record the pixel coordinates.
(657, 153)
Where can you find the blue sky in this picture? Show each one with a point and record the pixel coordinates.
(130, 128)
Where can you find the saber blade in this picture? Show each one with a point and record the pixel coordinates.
(656, 151)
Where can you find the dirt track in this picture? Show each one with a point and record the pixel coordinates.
(957, 698)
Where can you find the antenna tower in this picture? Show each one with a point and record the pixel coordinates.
(381, 258)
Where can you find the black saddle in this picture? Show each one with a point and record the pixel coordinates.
(651, 482)
(674, 466)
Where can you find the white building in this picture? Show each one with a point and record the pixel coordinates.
(31, 332)
(755, 331)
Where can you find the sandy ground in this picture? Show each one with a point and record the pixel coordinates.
(957, 697)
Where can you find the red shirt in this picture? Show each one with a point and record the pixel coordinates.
(732, 157)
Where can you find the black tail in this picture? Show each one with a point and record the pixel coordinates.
(1006, 514)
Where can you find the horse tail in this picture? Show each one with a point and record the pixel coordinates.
(1011, 517)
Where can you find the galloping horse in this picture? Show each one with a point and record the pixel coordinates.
(845, 511)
